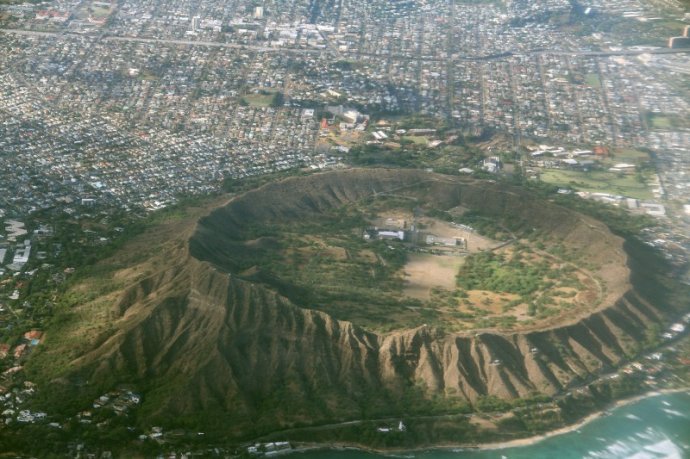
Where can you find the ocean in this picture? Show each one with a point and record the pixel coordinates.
(652, 428)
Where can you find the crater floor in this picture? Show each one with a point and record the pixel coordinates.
(391, 250)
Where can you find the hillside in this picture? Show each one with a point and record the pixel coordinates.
(215, 345)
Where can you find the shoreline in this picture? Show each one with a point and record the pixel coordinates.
(497, 445)
(579, 424)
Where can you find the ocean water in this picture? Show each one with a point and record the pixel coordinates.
(653, 428)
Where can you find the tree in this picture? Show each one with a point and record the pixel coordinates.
(278, 100)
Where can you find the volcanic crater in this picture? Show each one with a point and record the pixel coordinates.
(350, 244)
(231, 326)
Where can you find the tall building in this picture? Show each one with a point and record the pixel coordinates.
(259, 12)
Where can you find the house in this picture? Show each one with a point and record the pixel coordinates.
(492, 164)
(601, 151)
(379, 135)
(587, 164)
(623, 167)
(582, 152)
(375, 233)
(33, 336)
(655, 210)
(678, 328)
(418, 132)
(19, 351)
(391, 234)
(13, 370)
(351, 116)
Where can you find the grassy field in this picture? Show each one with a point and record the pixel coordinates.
(667, 121)
(639, 158)
(100, 12)
(593, 80)
(661, 122)
(417, 139)
(443, 159)
(599, 182)
(629, 155)
(148, 75)
(260, 99)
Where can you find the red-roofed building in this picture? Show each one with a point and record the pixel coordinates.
(19, 351)
(600, 151)
(56, 16)
(33, 334)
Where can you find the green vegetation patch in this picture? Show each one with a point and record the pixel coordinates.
(415, 139)
(492, 271)
(415, 153)
(99, 12)
(326, 264)
(617, 183)
(667, 121)
(544, 286)
(593, 80)
(630, 155)
(263, 98)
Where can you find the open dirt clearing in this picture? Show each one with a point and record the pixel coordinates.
(425, 271)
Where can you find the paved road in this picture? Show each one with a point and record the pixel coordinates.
(217, 44)
(260, 49)
(29, 32)
(622, 52)
(267, 49)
